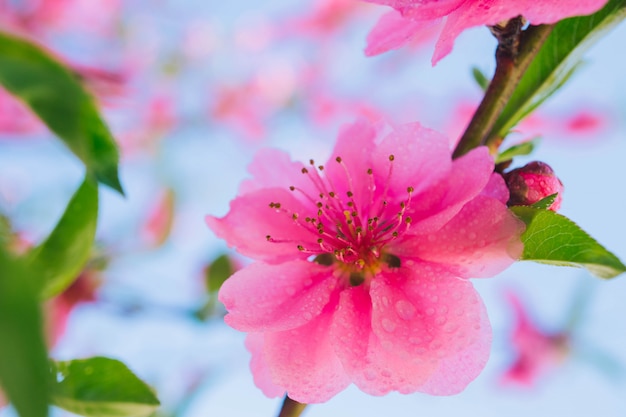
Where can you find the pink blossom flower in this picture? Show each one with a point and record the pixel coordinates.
(536, 350)
(464, 14)
(362, 265)
(532, 183)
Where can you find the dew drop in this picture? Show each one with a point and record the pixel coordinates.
(388, 325)
(430, 311)
(291, 291)
(385, 301)
(415, 340)
(405, 310)
(370, 375)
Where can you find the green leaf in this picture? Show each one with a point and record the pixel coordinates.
(545, 202)
(63, 255)
(480, 78)
(54, 93)
(554, 239)
(557, 60)
(23, 356)
(521, 149)
(218, 272)
(100, 387)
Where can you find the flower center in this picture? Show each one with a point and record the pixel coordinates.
(351, 231)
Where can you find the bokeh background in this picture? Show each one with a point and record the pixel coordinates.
(193, 89)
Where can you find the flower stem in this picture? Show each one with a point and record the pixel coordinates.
(291, 408)
(516, 50)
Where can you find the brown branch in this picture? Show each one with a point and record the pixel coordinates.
(516, 50)
(291, 408)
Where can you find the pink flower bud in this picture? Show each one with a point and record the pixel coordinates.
(533, 182)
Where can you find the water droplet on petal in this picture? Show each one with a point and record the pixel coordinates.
(388, 325)
(370, 375)
(385, 301)
(415, 340)
(405, 310)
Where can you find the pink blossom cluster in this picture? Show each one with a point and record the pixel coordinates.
(363, 264)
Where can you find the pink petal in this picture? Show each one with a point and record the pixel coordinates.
(265, 297)
(373, 368)
(425, 314)
(251, 219)
(456, 371)
(496, 188)
(482, 240)
(273, 168)
(422, 9)
(421, 158)
(490, 12)
(540, 12)
(439, 203)
(304, 362)
(258, 366)
(394, 31)
(355, 145)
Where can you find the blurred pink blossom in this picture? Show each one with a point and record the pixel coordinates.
(577, 122)
(15, 117)
(159, 219)
(57, 310)
(248, 106)
(41, 17)
(150, 119)
(325, 18)
(362, 264)
(460, 15)
(536, 351)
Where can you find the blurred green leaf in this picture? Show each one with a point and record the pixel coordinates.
(557, 60)
(5, 230)
(23, 356)
(63, 255)
(525, 148)
(54, 93)
(218, 272)
(545, 202)
(554, 239)
(100, 387)
(480, 78)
